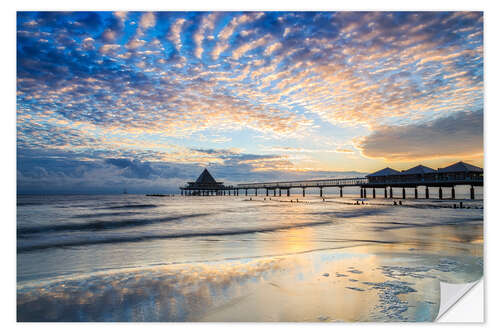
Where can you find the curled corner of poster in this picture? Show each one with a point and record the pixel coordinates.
(461, 303)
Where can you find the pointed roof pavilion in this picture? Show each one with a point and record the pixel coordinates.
(460, 167)
(205, 183)
(418, 170)
(384, 172)
(205, 178)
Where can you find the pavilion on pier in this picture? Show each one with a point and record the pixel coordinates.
(205, 185)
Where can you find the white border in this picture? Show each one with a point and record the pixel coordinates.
(8, 167)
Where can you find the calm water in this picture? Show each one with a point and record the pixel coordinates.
(138, 258)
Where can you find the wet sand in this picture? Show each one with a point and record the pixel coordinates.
(323, 261)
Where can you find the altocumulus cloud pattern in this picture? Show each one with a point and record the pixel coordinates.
(144, 99)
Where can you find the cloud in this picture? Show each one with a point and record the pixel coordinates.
(57, 171)
(122, 16)
(132, 168)
(175, 33)
(459, 136)
(207, 24)
(240, 51)
(88, 43)
(228, 30)
(135, 43)
(148, 20)
(344, 150)
(271, 48)
(109, 35)
(107, 48)
(385, 76)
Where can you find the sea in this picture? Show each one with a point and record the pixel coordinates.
(133, 257)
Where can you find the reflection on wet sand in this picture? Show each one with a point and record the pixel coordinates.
(318, 286)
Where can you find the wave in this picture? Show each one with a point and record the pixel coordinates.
(130, 206)
(126, 239)
(104, 214)
(345, 214)
(101, 225)
(29, 203)
(402, 225)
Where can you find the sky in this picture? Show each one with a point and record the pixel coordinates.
(146, 100)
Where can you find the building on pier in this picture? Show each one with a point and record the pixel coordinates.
(419, 173)
(384, 175)
(205, 185)
(460, 171)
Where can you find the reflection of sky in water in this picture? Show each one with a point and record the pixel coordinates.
(290, 288)
(317, 262)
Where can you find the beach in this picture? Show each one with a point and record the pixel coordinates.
(138, 258)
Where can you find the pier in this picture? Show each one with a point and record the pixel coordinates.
(388, 179)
